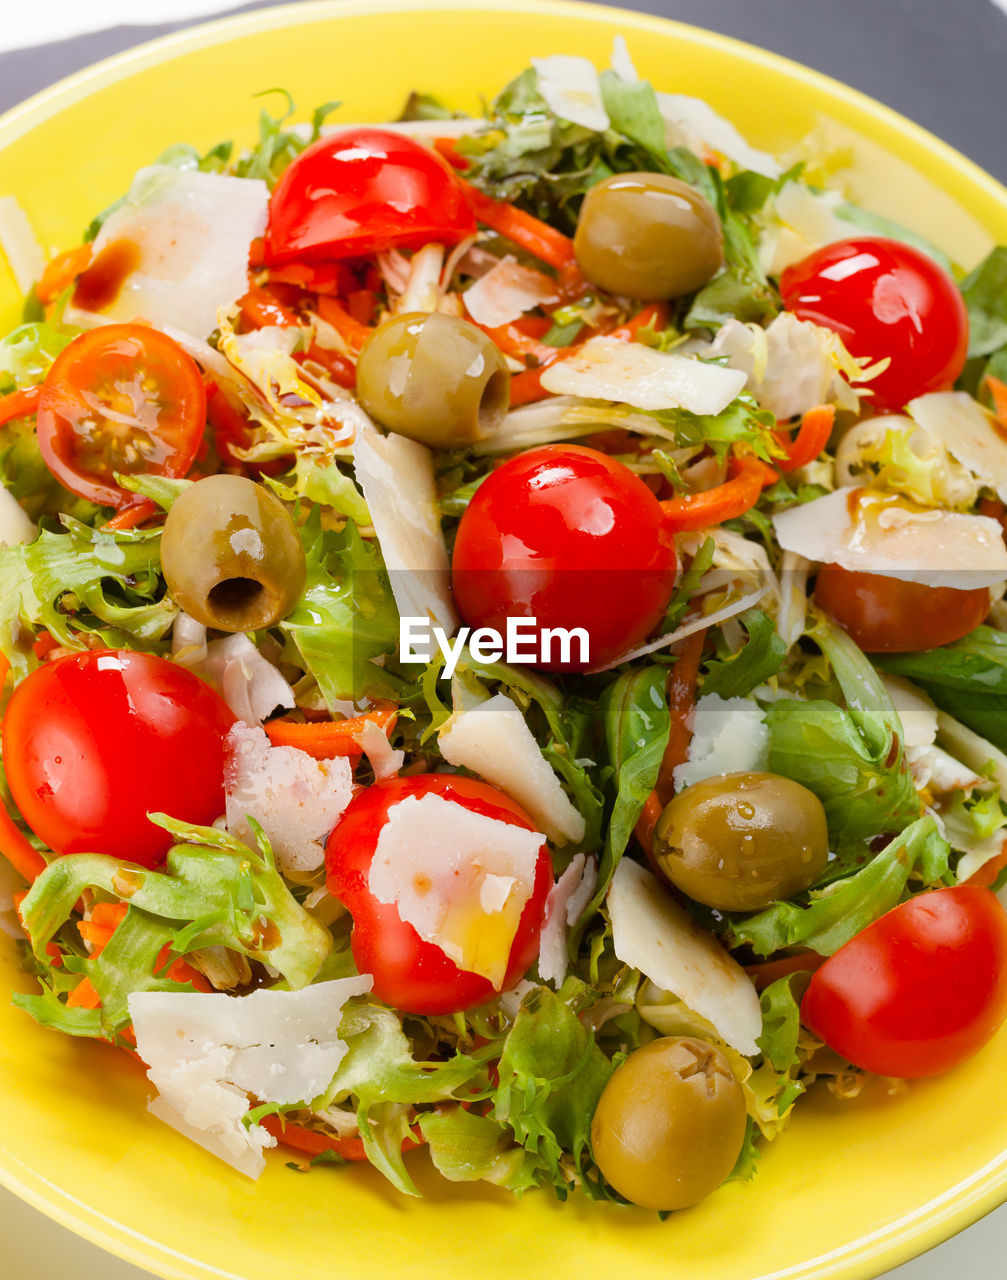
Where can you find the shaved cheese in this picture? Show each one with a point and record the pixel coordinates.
(249, 683)
(506, 292)
(567, 899)
(422, 286)
(791, 617)
(209, 1055)
(188, 640)
(870, 532)
(622, 63)
(295, 798)
(493, 740)
(397, 477)
(971, 749)
(729, 735)
(917, 713)
(190, 233)
(936, 771)
(805, 220)
(693, 123)
(967, 432)
(15, 524)
(652, 933)
(20, 245)
(572, 90)
(630, 373)
(373, 741)
(461, 879)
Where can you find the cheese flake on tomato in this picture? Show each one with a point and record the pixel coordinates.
(461, 879)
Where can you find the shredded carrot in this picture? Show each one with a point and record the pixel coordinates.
(448, 149)
(312, 1143)
(738, 494)
(524, 229)
(654, 315)
(342, 371)
(329, 738)
(521, 340)
(261, 309)
(987, 874)
(812, 437)
(353, 333)
(998, 391)
(60, 272)
(681, 689)
(766, 972)
(316, 277)
(19, 404)
(644, 829)
(362, 304)
(132, 516)
(84, 996)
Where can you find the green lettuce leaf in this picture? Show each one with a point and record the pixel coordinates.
(467, 1147)
(761, 657)
(985, 294)
(27, 352)
(278, 146)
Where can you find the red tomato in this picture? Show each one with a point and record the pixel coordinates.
(918, 991)
(888, 615)
(572, 538)
(94, 741)
(361, 191)
(885, 298)
(410, 973)
(122, 397)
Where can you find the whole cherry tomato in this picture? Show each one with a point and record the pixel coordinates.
(572, 538)
(918, 991)
(889, 615)
(409, 972)
(885, 299)
(361, 191)
(93, 742)
(120, 398)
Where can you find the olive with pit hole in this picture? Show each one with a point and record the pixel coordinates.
(434, 378)
(231, 554)
(670, 1123)
(743, 840)
(648, 236)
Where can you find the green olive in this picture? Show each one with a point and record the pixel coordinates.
(670, 1123)
(231, 554)
(742, 841)
(434, 378)
(648, 236)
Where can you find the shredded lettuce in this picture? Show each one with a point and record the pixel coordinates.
(761, 657)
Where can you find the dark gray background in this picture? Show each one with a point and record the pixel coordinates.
(943, 63)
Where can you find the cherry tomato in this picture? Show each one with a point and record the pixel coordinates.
(120, 398)
(918, 991)
(889, 615)
(410, 973)
(885, 298)
(361, 191)
(572, 538)
(93, 742)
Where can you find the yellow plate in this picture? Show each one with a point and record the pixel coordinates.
(851, 1188)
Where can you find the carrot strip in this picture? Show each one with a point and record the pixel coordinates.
(262, 310)
(315, 277)
(84, 996)
(998, 390)
(987, 874)
(681, 689)
(361, 304)
(132, 516)
(19, 404)
(812, 437)
(448, 149)
(655, 315)
(748, 477)
(343, 372)
(644, 829)
(60, 272)
(524, 229)
(517, 340)
(353, 333)
(767, 972)
(312, 1143)
(329, 738)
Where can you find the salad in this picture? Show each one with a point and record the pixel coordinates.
(503, 640)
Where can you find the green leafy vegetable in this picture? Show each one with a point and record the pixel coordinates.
(761, 657)
(278, 146)
(467, 1147)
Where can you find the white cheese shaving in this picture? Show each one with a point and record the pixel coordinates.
(210, 1055)
(397, 478)
(373, 742)
(693, 123)
(461, 879)
(652, 933)
(729, 735)
(572, 90)
(791, 617)
(804, 220)
(15, 524)
(630, 373)
(621, 61)
(422, 286)
(870, 532)
(972, 749)
(20, 245)
(493, 740)
(296, 799)
(188, 641)
(567, 899)
(506, 292)
(249, 683)
(938, 772)
(967, 432)
(917, 713)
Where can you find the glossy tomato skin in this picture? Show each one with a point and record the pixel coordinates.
(885, 298)
(361, 191)
(94, 741)
(918, 991)
(889, 615)
(571, 537)
(120, 398)
(410, 973)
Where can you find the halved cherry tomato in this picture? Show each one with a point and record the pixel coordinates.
(93, 742)
(361, 191)
(572, 538)
(918, 991)
(885, 298)
(888, 615)
(120, 398)
(409, 972)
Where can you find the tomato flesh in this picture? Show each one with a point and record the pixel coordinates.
(120, 398)
(409, 972)
(362, 191)
(885, 299)
(93, 742)
(572, 538)
(889, 615)
(920, 990)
